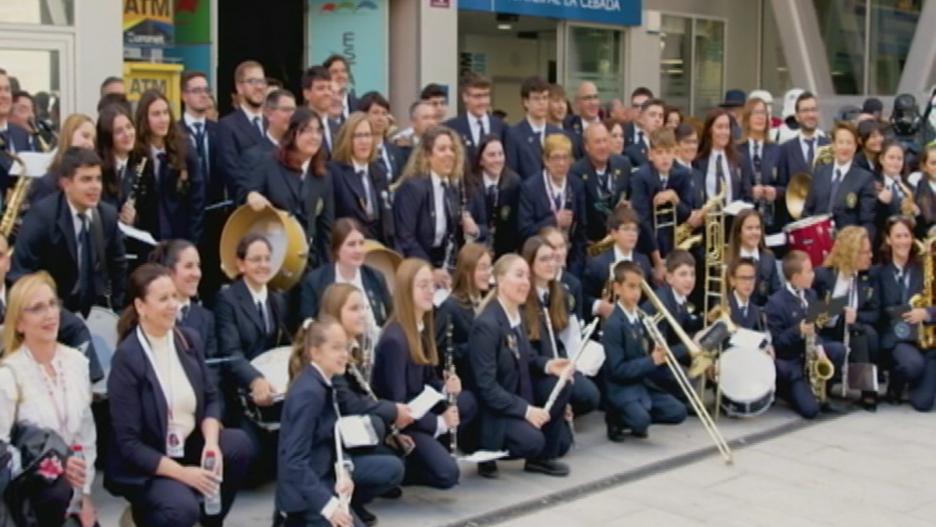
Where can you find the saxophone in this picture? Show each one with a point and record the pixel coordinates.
(17, 196)
(818, 369)
(926, 335)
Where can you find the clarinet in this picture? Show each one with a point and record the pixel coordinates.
(450, 369)
(764, 207)
(394, 431)
(137, 191)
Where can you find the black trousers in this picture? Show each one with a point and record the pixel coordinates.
(793, 386)
(919, 370)
(554, 439)
(431, 463)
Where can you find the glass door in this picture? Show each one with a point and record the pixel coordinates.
(591, 52)
(42, 62)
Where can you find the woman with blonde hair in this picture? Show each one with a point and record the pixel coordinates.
(845, 273)
(407, 361)
(759, 158)
(431, 216)
(46, 384)
(360, 179)
(457, 313)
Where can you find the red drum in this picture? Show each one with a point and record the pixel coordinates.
(814, 235)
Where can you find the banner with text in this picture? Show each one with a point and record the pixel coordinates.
(357, 29)
(613, 12)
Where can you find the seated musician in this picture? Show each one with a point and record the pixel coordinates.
(347, 251)
(572, 284)
(406, 361)
(747, 241)
(116, 136)
(77, 131)
(845, 273)
(633, 401)
(318, 368)
(47, 384)
(786, 312)
(548, 298)
(680, 280)
(842, 188)
(251, 319)
(893, 188)
(623, 226)
(924, 192)
(657, 186)
(501, 190)
(430, 217)
(512, 417)
(470, 284)
(73, 236)
(293, 179)
(606, 178)
(360, 179)
(166, 414)
(556, 198)
(899, 278)
(742, 274)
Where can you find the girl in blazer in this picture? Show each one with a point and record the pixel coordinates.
(294, 179)
(495, 188)
(892, 188)
(348, 252)
(430, 204)
(116, 137)
(173, 201)
(46, 384)
(360, 179)
(511, 415)
(759, 158)
(407, 360)
(312, 489)
(718, 162)
(166, 415)
(747, 241)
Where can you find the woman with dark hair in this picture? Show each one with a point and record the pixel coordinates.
(348, 249)
(116, 139)
(166, 415)
(718, 163)
(251, 319)
(294, 179)
(870, 145)
(893, 188)
(759, 158)
(616, 130)
(924, 193)
(430, 205)
(549, 298)
(498, 187)
(471, 282)
(172, 204)
(672, 117)
(184, 263)
(407, 361)
(747, 241)
(360, 179)
(899, 277)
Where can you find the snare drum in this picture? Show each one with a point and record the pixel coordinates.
(273, 364)
(814, 236)
(747, 380)
(102, 324)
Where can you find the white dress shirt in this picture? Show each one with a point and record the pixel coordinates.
(251, 115)
(373, 331)
(475, 129)
(261, 297)
(538, 129)
(711, 171)
(552, 191)
(441, 217)
(752, 254)
(804, 146)
(844, 286)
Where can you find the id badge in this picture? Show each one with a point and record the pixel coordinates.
(175, 448)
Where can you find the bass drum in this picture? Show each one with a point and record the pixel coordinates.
(747, 380)
(286, 235)
(385, 260)
(273, 364)
(814, 235)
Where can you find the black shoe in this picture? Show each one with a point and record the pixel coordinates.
(829, 408)
(279, 519)
(393, 494)
(894, 394)
(641, 434)
(550, 467)
(869, 401)
(364, 515)
(616, 434)
(488, 469)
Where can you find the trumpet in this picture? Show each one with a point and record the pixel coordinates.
(650, 324)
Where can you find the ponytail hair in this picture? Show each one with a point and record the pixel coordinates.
(311, 334)
(138, 287)
(167, 252)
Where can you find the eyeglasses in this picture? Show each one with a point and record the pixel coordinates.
(199, 90)
(41, 309)
(258, 259)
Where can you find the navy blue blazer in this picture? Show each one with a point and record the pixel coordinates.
(637, 154)
(767, 280)
(500, 216)
(536, 212)
(597, 274)
(524, 149)
(573, 287)
(869, 297)
(770, 167)
(414, 218)
(235, 135)
(854, 203)
(18, 137)
(501, 362)
(353, 399)
(645, 184)
(306, 450)
(215, 187)
(460, 124)
(350, 199)
(740, 185)
(398, 157)
(784, 313)
(397, 378)
(202, 321)
(311, 201)
(249, 161)
(689, 319)
(47, 241)
(576, 132)
(461, 316)
(125, 183)
(600, 201)
(885, 276)
(165, 212)
(240, 329)
(138, 410)
(753, 319)
(627, 365)
(792, 161)
(375, 289)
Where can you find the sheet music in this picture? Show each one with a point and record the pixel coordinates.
(424, 402)
(735, 207)
(136, 234)
(37, 164)
(482, 456)
(591, 359)
(357, 431)
(775, 240)
(571, 336)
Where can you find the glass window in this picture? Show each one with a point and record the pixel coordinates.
(595, 55)
(43, 12)
(775, 75)
(675, 61)
(38, 72)
(842, 25)
(893, 23)
(709, 65)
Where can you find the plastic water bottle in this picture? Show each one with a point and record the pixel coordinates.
(74, 507)
(213, 502)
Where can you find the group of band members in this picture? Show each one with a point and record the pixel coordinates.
(534, 229)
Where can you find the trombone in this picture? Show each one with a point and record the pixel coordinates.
(650, 323)
(664, 217)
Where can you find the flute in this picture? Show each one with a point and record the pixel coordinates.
(343, 470)
(450, 369)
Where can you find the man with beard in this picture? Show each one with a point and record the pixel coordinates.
(798, 153)
(243, 127)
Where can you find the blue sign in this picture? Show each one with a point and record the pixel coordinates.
(613, 12)
(356, 29)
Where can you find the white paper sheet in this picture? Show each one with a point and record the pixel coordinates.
(591, 359)
(571, 336)
(440, 295)
(482, 456)
(37, 164)
(735, 207)
(424, 402)
(750, 340)
(136, 234)
(357, 431)
(775, 240)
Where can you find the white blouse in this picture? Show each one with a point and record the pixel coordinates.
(61, 403)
